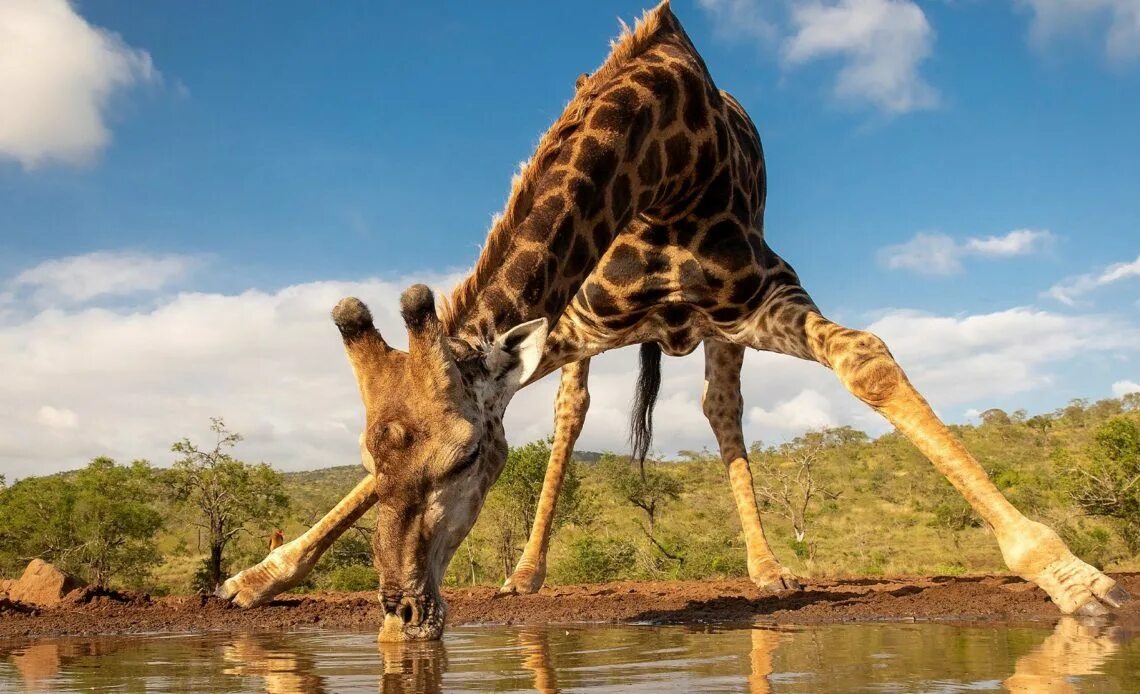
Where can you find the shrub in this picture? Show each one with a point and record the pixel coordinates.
(350, 578)
(596, 560)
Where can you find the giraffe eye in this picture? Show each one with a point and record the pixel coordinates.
(466, 462)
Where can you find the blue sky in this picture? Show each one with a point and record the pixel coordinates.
(968, 162)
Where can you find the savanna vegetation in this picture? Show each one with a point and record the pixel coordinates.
(835, 502)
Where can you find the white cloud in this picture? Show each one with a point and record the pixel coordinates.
(1122, 388)
(81, 278)
(1120, 19)
(940, 254)
(1069, 290)
(133, 381)
(882, 43)
(807, 410)
(1017, 242)
(741, 19)
(926, 253)
(966, 358)
(83, 380)
(57, 418)
(57, 76)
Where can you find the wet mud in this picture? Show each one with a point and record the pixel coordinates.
(992, 598)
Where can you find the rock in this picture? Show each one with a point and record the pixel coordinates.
(42, 584)
(5, 586)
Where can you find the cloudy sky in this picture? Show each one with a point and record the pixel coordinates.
(185, 194)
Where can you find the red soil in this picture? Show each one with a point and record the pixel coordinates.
(938, 598)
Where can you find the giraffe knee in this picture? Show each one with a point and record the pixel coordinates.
(573, 403)
(721, 407)
(712, 404)
(868, 369)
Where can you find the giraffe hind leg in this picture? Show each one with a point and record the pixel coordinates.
(723, 405)
(868, 370)
(569, 414)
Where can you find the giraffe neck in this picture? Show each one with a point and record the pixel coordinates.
(636, 133)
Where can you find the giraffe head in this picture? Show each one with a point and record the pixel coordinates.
(433, 438)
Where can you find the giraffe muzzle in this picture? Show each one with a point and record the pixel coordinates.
(409, 617)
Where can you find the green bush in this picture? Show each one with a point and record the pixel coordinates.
(596, 560)
(353, 577)
(801, 549)
(1092, 544)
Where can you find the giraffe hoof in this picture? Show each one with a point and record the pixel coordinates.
(523, 583)
(1116, 596)
(781, 583)
(1092, 608)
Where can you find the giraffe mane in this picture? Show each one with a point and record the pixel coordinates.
(631, 43)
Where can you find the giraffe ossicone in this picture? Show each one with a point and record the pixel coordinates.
(639, 219)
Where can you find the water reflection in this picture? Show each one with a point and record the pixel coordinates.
(534, 645)
(269, 657)
(413, 667)
(764, 643)
(1074, 649)
(1072, 657)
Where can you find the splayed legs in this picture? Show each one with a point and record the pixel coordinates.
(569, 414)
(723, 405)
(1031, 550)
(288, 565)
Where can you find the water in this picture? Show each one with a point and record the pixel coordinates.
(831, 658)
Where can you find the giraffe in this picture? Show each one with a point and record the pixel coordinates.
(638, 219)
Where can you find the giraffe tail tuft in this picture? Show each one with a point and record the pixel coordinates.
(644, 398)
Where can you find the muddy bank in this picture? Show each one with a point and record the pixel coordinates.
(973, 599)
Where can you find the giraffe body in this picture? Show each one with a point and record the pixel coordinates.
(639, 219)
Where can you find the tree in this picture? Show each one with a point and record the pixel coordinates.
(36, 522)
(112, 511)
(224, 493)
(522, 477)
(787, 482)
(513, 501)
(994, 417)
(97, 523)
(1109, 485)
(647, 487)
(1075, 413)
(1040, 423)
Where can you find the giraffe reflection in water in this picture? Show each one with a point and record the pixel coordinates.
(1074, 656)
(1074, 649)
(283, 667)
(534, 645)
(411, 667)
(764, 643)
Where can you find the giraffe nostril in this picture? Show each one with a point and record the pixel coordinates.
(410, 611)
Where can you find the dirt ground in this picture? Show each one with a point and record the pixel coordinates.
(959, 599)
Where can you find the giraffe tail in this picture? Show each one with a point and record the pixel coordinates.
(644, 398)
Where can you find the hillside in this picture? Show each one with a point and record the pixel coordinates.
(878, 508)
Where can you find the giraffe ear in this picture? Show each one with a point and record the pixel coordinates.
(516, 353)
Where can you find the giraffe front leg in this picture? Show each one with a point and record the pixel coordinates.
(723, 405)
(289, 564)
(569, 413)
(1030, 549)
